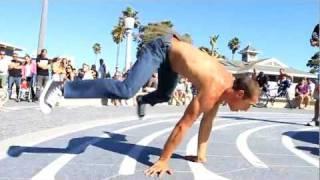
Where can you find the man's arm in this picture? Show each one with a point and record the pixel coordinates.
(191, 114)
(203, 136)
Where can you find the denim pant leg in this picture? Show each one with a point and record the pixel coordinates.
(149, 59)
(17, 81)
(167, 82)
(10, 84)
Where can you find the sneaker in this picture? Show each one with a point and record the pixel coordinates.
(140, 107)
(50, 96)
(313, 123)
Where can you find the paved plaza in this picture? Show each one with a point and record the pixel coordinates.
(109, 142)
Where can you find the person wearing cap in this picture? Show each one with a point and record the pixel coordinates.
(4, 64)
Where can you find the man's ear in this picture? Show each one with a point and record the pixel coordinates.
(240, 94)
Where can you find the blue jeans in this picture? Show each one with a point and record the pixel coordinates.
(16, 81)
(152, 57)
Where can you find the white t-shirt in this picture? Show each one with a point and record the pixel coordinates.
(28, 70)
(4, 64)
(87, 76)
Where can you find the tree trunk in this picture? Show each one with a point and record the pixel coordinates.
(117, 60)
(232, 56)
(212, 48)
(95, 63)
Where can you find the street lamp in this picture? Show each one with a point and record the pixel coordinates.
(129, 25)
(43, 26)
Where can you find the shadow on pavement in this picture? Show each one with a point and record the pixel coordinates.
(115, 143)
(308, 137)
(257, 119)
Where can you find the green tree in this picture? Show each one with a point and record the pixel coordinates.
(186, 38)
(118, 33)
(97, 50)
(153, 30)
(314, 62)
(130, 12)
(205, 49)
(234, 45)
(213, 42)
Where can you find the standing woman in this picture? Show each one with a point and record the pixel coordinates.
(29, 71)
(69, 73)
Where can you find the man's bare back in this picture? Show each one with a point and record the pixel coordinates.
(204, 71)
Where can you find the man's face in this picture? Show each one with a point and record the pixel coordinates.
(238, 103)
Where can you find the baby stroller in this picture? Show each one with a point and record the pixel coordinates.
(24, 91)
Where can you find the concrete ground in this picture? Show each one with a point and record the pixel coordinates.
(107, 142)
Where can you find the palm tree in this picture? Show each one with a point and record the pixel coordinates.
(130, 12)
(205, 49)
(97, 50)
(118, 33)
(213, 42)
(186, 38)
(314, 62)
(129, 16)
(234, 45)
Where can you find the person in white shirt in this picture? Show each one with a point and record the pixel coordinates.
(87, 72)
(4, 64)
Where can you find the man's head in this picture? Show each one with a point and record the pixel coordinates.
(245, 92)
(101, 61)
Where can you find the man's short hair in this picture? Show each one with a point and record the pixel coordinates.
(248, 85)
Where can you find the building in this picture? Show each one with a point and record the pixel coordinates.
(270, 66)
(9, 48)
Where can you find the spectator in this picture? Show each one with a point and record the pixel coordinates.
(262, 80)
(29, 70)
(102, 69)
(311, 86)
(87, 74)
(94, 71)
(302, 94)
(152, 84)
(43, 68)
(188, 87)
(117, 76)
(14, 75)
(70, 73)
(284, 81)
(59, 69)
(4, 64)
(179, 94)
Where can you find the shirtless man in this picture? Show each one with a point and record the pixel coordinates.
(171, 57)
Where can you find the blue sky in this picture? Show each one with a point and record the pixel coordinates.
(277, 28)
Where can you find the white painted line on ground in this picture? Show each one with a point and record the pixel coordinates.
(53, 168)
(242, 144)
(34, 138)
(288, 143)
(128, 165)
(199, 171)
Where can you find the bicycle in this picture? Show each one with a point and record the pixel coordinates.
(266, 97)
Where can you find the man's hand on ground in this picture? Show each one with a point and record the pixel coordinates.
(195, 159)
(158, 169)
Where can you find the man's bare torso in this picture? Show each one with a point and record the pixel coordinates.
(204, 71)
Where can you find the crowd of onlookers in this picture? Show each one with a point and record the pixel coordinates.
(29, 76)
(304, 90)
